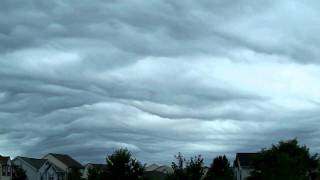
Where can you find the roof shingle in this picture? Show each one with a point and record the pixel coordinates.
(36, 163)
(67, 160)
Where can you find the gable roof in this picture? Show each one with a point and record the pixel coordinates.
(67, 160)
(245, 159)
(36, 163)
(152, 167)
(164, 169)
(4, 159)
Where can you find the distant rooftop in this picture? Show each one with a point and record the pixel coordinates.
(152, 167)
(67, 160)
(164, 169)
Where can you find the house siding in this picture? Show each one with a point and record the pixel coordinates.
(31, 172)
(4, 176)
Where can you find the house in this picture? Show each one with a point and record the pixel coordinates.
(156, 172)
(164, 169)
(242, 165)
(39, 169)
(5, 168)
(151, 167)
(88, 166)
(64, 162)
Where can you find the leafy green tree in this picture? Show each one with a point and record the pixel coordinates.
(122, 166)
(195, 168)
(286, 160)
(97, 173)
(93, 173)
(192, 169)
(220, 169)
(74, 174)
(178, 168)
(18, 173)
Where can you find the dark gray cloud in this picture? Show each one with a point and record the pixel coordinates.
(157, 77)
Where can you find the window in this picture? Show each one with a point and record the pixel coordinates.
(60, 177)
(4, 170)
(51, 177)
(8, 171)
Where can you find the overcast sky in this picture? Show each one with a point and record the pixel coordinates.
(84, 77)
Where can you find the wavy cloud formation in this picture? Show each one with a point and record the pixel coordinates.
(157, 77)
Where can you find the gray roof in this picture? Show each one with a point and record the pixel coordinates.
(152, 167)
(36, 163)
(164, 169)
(67, 160)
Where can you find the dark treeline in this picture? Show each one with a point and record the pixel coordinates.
(285, 160)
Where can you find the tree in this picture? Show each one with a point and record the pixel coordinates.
(18, 173)
(97, 173)
(220, 169)
(74, 174)
(122, 166)
(178, 169)
(286, 160)
(187, 170)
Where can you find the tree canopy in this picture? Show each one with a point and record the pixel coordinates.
(285, 160)
(74, 174)
(192, 169)
(220, 169)
(97, 173)
(122, 166)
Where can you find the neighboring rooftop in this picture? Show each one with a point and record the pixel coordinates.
(152, 167)
(157, 172)
(36, 163)
(245, 159)
(67, 160)
(164, 169)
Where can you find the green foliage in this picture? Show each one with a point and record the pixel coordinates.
(192, 169)
(220, 169)
(74, 174)
(121, 166)
(18, 173)
(286, 160)
(97, 173)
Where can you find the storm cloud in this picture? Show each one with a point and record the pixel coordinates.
(158, 77)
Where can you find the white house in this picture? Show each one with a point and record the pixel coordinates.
(39, 169)
(64, 162)
(5, 168)
(242, 165)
